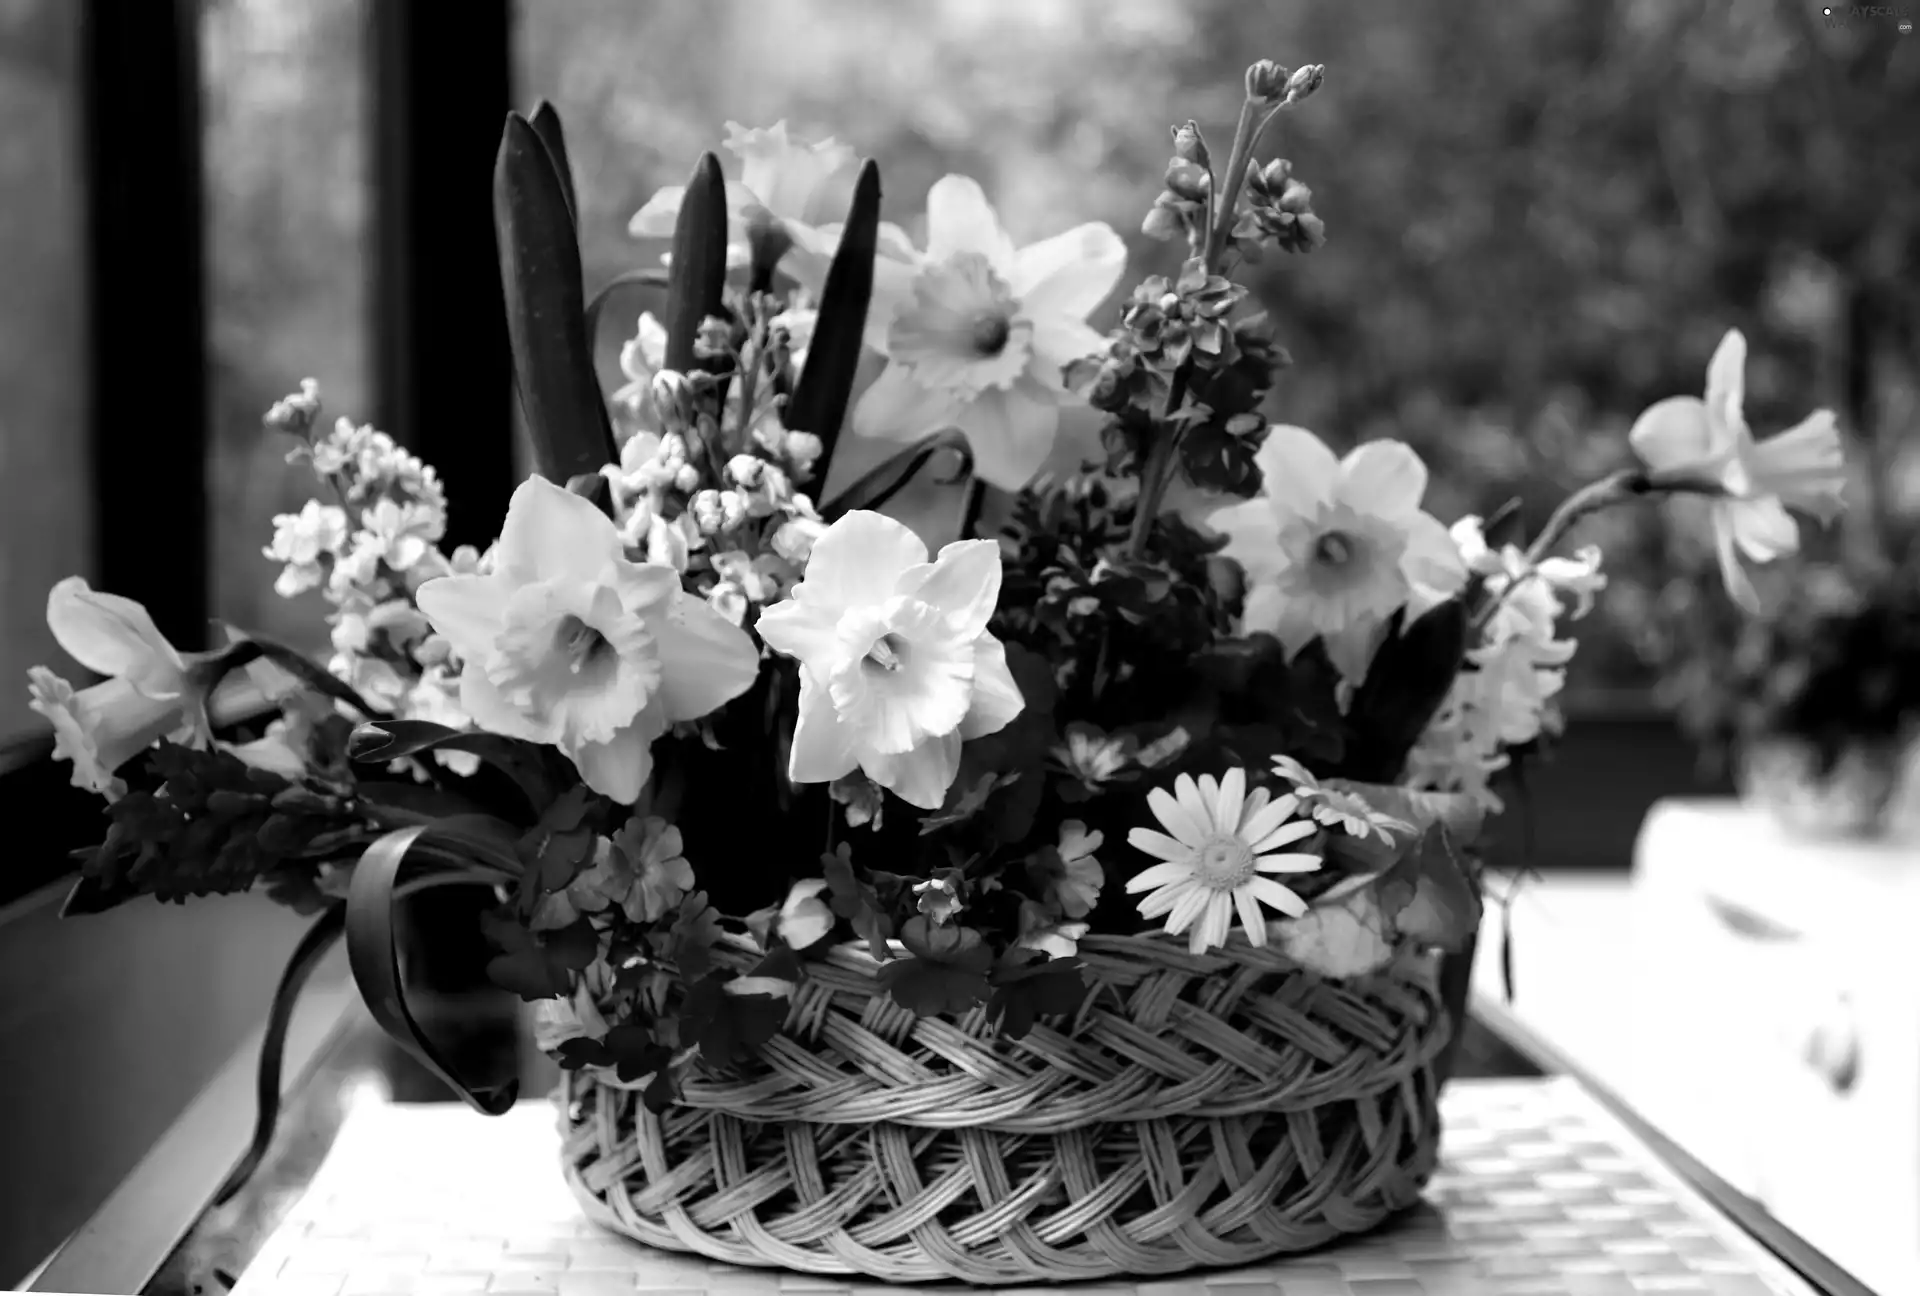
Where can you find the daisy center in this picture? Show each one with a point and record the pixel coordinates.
(1223, 862)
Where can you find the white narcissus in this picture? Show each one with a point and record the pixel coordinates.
(566, 642)
(153, 690)
(797, 184)
(978, 334)
(1334, 547)
(897, 667)
(1687, 439)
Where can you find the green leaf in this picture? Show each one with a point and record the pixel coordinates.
(1429, 895)
(946, 971)
(819, 401)
(546, 309)
(374, 960)
(389, 740)
(854, 900)
(1027, 985)
(538, 965)
(882, 483)
(633, 278)
(629, 1048)
(728, 1027)
(698, 276)
(594, 488)
(545, 121)
(1409, 679)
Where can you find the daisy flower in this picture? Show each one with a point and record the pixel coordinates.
(1685, 438)
(979, 333)
(1336, 807)
(1332, 548)
(1214, 857)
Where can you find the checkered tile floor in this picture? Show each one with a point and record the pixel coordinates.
(1541, 1193)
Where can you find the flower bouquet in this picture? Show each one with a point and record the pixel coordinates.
(1086, 896)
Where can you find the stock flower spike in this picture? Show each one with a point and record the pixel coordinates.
(567, 642)
(1214, 864)
(897, 667)
(1334, 547)
(1687, 439)
(979, 334)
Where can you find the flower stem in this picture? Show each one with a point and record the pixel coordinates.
(1156, 474)
(1245, 135)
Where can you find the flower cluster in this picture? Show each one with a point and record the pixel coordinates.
(699, 727)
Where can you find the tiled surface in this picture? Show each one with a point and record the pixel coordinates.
(1541, 1194)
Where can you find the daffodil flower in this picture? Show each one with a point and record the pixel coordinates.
(896, 665)
(153, 691)
(566, 642)
(1687, 440)
(1334, 547)
(977, 332)
(800, 186)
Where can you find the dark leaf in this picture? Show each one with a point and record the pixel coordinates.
(819, 401)
(389, 740)
(855, 901)
(1429, 896)
(546, 309)
(530, 967)
(631, 279)
(545, 121)
(698, 276)
(1406, 684)
(946, 972)
(1027, 985)
(728, 1027)
(594, 488)
(882, 483)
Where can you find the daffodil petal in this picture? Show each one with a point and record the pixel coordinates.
(657, 216)
(1057, 343)
(481, 700)
(1383, 479)
(859, 560)
(1432, 560)
(113, 636)
(960, 219)
(551, 532)
(706, 661)
(1675, 436)
(1805, 466)
(963, 582)
(823, 744)
(1739, 587)
(465, 609)
(919, 777)
(898, 408)
(1252, 530)
(1274, 896)
(1156, 875)
(803, 630)
(997, 699)
(1287, 863)
(1011, 432)
(1762, 528)
(1299, 473)
(1727, 381)
(1069, 275)
(1160, 846)
(616, 769)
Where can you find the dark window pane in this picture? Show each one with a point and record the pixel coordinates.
(45, 518)
(287, 212)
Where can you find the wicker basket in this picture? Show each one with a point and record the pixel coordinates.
(1199, 1111)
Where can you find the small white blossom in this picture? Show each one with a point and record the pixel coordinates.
(301, 540)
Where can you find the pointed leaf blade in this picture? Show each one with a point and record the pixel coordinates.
(546, 310)
(546, 124)
(819, 401)
(698, 275)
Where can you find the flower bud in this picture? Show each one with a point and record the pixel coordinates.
(1304, 81)
(713, 339)
(707, 511)
(794, 540)
(1188, 180)
(803, 448)
(1165, 219)
(745, 470)
(1266, 81)
(1188, 146)
(686, 478)
(733, 509)
(673, 397)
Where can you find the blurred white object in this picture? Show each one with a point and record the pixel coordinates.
(1774, 983)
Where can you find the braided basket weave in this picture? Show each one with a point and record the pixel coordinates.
(1200, 1110)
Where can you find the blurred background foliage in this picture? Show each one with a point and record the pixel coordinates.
(1541, 216)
